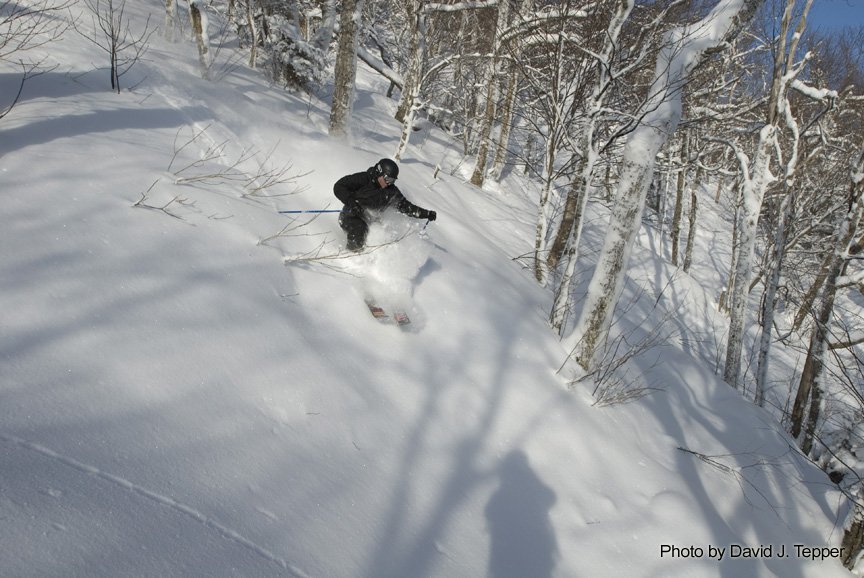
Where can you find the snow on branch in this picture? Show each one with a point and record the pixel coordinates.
(459, 6)
(444, 63)
(813, 92)
(851, 280)
(528, 28)
(380, 67)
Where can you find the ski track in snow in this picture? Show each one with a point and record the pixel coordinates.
(188, 511)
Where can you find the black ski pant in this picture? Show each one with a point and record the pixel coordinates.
(352, 222)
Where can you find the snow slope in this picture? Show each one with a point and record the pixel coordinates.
(178, 401)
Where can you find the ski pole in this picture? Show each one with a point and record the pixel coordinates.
(423, 232)
(312, 211)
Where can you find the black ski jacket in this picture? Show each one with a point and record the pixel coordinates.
(361, 189)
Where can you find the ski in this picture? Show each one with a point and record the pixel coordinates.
(377, 312)
(400, 318)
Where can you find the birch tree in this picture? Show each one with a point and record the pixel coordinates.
(756, 178)
(416, 58)
(619, 56)
(346, 66)
(684, 49)
(557, 94)
(691, 222)
(409, 101)
(170, 26)
(419, 69)
(808, 400)
(680, 187)
(252, 27)
(585, 156)
(199, 30)
(493, 83)
(556, 77)
(505, 119)
(786, 205)
(611, 58)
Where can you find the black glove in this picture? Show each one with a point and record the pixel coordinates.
(352, 209)
(431, 215)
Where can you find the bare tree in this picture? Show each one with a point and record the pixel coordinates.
(686, 47)
(111, 33)
(252, 27)
(413, 81)
(170, 26)
(810, 387)
(199, 31)
(546, 49)
(346, 66)
(680, 187)
(756, 178)
(607, 72)
(785, 208)
(24, 28)
(421, 67)
(493, 84)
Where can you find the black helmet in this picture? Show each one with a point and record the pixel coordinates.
(387, 169)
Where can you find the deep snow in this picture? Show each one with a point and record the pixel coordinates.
(178, 400)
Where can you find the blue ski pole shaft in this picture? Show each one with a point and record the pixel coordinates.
(311, 211)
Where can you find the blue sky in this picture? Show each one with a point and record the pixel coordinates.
(836, 14)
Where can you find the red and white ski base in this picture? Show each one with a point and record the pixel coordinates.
(400, 318)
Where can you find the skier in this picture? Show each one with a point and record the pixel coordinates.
(369, 192)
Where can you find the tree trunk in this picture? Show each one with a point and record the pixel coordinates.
(417, 58)
(607, 283)
(324, 35)
(753, 192)
(802, 396)
(506, 120)
(806, 307)
(756, 183)
(410, 103)
(253, 33)
(170, 19)
(675, 232)
(198, 31)
(725, 300)
(811, 377)
(544, 215)
(769, 298)
(853, 537)
(574, 210)
(691, 221)
(346, 67)
(493, 80)
(571, 214)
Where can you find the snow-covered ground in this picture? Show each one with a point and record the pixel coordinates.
(177, 400)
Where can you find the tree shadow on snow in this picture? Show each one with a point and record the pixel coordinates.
(48, 129)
